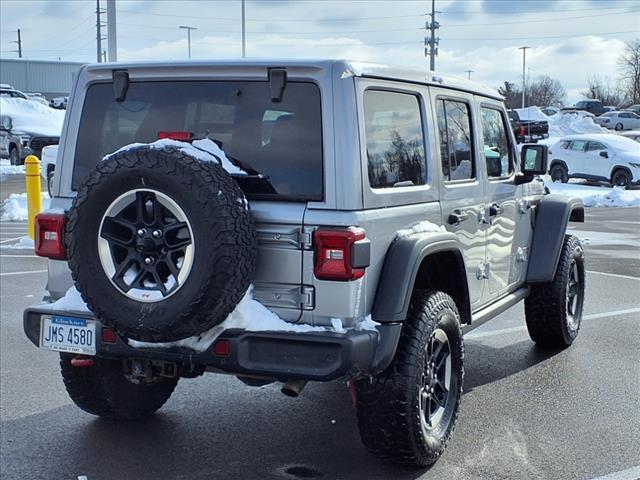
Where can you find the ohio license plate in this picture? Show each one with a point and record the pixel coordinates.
(68, 334)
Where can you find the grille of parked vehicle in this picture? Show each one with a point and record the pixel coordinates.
(38, 143)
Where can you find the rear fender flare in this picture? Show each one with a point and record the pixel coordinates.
(401, 266)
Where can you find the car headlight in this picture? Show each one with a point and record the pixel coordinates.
(634, 165)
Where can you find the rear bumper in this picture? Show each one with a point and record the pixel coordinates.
(319, 356)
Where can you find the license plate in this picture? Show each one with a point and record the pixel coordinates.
(68, 334)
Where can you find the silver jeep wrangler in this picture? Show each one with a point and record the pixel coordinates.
(377, 213)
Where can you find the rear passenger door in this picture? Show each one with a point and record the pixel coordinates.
(461, 191)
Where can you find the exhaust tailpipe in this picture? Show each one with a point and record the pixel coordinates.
(293, 388)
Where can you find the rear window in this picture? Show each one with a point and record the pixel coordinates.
(280, 141)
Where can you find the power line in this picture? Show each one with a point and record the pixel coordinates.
(520, 12)
(560, 19)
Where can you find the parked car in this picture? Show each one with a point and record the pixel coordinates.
(526, 130)
(622, 120)
(59, 103)
(632, 134)
(634, 108)
(9, 91)
(330, 239)
(17, 142)
(550, 111)
(598, 157)
(610, 108)
(37, 97)
(48, 165)
(592, 106)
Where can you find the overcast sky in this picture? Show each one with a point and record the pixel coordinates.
(570, 39)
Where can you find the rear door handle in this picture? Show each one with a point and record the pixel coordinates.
(495, 210)
(457, 217)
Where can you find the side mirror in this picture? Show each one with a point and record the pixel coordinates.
(5, 123)
(534, 159)
(604, 154)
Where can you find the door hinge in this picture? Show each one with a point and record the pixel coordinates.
(522, 254)
(483, 271)
(305, 237)
(523, 206)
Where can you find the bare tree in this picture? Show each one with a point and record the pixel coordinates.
(543, 91)
(629, 64)
(602, 89)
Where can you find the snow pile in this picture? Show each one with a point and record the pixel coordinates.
(15, 209)
(564, 124)
(421, 227)
(32, 117)
(205, 150)
(597, 196)
(25, 243)
(249, 315)
(12, 170)
(71, 302)
(531, 113)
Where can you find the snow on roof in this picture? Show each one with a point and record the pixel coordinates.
(341, 68)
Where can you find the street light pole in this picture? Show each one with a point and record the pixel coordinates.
(469, 72)
(524, 70)
(244, 45)
(188, 29)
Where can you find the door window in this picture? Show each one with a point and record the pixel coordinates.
(595, 146)
(456, 146)
(578, 145)
(395, 140)
(497, 152)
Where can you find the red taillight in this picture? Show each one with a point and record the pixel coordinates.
(222, 348)
(334, 254)
(49, 235)
(109, 335)
(181, 136)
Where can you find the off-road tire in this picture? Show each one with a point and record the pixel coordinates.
(620, 178)
(224, 239)
(387, 404)
(546, 308)
(102, 389)
(14, 157)
(50, 183)
(559, 172)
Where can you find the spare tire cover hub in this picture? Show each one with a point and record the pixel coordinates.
(146, 245)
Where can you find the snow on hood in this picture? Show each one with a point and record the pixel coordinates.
(32, 117)
(531, 113)
(205, 150)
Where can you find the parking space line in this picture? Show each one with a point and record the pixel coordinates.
(616, 275)
(2, 255)
(591, 316)
(632, 473)
(10, 239)
(22, 273)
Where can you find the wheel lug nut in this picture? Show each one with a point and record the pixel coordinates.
(149, 260)
(141, 232)
(157, 233)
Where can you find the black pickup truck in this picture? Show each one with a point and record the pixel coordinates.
(528, 131)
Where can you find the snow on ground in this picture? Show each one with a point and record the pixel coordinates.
(596, 196)
(11, 169)
(562, 124)
(14, 208)
(205, 150)
(32, 117)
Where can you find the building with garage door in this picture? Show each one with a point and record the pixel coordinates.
(52, 79)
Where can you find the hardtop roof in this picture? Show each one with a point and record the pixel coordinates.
(340, 68)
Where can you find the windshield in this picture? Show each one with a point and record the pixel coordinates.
(282, 142)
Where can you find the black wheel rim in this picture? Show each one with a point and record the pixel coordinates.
(435, 386)
(574, 296)
(145, 244)
(621, 180)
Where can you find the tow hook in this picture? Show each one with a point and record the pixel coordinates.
(82, 361)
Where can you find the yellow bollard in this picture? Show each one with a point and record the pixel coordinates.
(34, 194)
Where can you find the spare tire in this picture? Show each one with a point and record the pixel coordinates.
(161, 245)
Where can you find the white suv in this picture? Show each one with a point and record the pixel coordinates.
(599, 157)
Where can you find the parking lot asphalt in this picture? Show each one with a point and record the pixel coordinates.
(526, 412)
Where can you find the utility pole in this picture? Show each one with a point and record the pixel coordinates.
(244, 38)
(99, 36)
(19, 42)
(524, 70)
(432, 42)
(469, 72)
(188, 29)
(112, 42)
